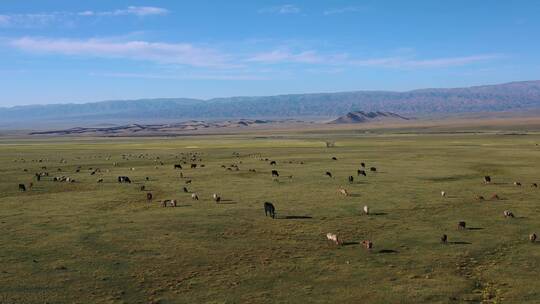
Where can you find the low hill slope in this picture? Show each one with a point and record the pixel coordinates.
(363, 117)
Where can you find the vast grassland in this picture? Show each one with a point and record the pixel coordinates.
(89, 242)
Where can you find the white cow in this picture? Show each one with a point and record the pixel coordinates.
(334, 238)
(343, 191)
(366, 210)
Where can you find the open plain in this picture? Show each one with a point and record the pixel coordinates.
(104, 242)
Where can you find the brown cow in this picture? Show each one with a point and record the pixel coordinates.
(367, 244)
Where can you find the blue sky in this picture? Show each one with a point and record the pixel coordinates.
(80, 51)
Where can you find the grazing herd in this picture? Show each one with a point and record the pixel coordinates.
(269, 208)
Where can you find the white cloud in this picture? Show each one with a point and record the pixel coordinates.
(342, 10)
(42, 19)
(4, 20)
(282, 9)
(175, 53)
(400, 62)
(183, 76)
(450, 61)
(316, 58)
(206, 57)
(134, 10)
(284, 56)
(27, 20)
(86, 13)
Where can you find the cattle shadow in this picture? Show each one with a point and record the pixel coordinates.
(295, 217)
(349, 243)
(354, 195)
(227, 202)
(378, 213)
(384, 251)
(459, 243)
(475, 228)
(359, 183)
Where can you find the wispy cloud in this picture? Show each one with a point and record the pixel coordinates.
(32, 20)
(184, 76)
(342, 10)
(141, 11)
(400, 62)
(341, 59)
(287, 56)
(28, 20)
(280, 56)
(281, 9)
(176, 53)
(188, 54)
(4, 20)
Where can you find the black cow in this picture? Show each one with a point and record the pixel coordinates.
(462, 225)
(444, 239)
(269, 209)
(178, 166)
(351, 179)
(22, 187)
(361, 172)
(328, 174)
(273, 163)
(363, 165)
(124, 179)
(149, 196)
(334, 158)
(373, 169)
(185, 190)
(193, 166)
(487, 179)
(275, 173)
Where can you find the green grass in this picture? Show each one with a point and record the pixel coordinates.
(86, 242)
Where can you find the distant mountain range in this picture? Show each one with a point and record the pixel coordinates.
(503, 97)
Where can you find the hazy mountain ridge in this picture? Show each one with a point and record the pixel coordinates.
(503, 97)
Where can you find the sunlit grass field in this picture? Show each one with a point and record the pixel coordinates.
(89, 242)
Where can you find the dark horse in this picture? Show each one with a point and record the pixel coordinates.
(269, 209)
